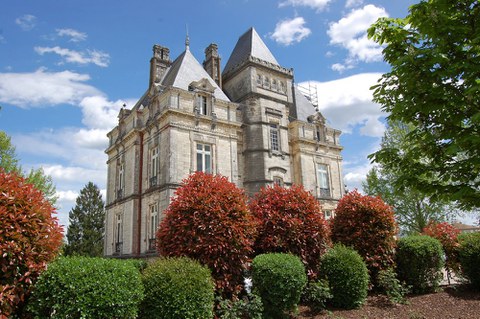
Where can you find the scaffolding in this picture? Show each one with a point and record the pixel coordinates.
(311, 93)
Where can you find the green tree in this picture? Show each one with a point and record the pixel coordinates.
(413, 209)
(10, 163)
(434, 86)
(8, 157)
(86, 230)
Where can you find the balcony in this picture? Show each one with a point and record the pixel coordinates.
(152, 244)
(325, 193)
(153, 181)
(118, 248)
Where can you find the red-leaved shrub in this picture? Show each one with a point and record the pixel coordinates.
(447, 235)
(290, 221)
(29, 238)
(208, 220)
(368, 225)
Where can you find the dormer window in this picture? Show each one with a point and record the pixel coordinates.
(202, 105)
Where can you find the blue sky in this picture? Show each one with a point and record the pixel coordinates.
(67, 67)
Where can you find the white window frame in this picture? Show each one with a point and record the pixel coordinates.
(323, 180)
(154, 161)
(204, 158)
(153, 221)
(274, 137)
(202, 104)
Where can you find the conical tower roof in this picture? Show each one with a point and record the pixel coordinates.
(249, 44)
(185, 70)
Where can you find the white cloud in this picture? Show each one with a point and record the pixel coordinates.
(314, 4)
(75, 36)
(93, 138)
(290, 31)
(354, 176)
(76, 174)
(350, 33)
(90, 56)
(42, 88)
(347, 104)
(98, 112)
(67, 195)
(27, 22)
(353, 3)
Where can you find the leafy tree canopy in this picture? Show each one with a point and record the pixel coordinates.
(10, 163)
(85, 232)
(413, 209)
(434, 86)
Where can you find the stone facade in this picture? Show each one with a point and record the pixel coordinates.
(249, 123)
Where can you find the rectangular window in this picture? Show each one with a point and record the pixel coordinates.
(154, 165)
(118, 235)
(278, 181)
(153, 224)
(121, 180)
(274, 140)
(202, 104)
(323, 183)
(204, 158)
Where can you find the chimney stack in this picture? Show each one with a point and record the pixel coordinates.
(159, 64)
(212, 63)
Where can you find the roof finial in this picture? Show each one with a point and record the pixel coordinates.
(187, 39)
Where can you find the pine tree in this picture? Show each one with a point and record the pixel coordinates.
(86, 230)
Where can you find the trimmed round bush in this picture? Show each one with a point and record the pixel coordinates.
(347, 276)
(420, 262)
(290, 221)
(208, 220)
(279, 280)
(177, 288)
(85, 287)
(469, 256)
(368, 225)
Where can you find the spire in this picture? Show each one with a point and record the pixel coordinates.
(187, 39)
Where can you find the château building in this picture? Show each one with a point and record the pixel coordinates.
(248, 122)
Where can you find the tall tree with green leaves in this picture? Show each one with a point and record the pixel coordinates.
(85, 233)
(9, 162)
(413, 209)
(434, 86)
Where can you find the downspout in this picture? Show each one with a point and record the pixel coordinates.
(139, 213)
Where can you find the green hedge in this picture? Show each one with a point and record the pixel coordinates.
(419, 262)
(469, 256)
(84, 287)
(279, 280)
(177, 288)
(347, 276)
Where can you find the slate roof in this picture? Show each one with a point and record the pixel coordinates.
(185, 70)
(249, 44)
(302, 108)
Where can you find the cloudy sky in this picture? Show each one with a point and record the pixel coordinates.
(67, 67)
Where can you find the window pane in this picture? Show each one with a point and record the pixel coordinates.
(199, 162)
(208, 164)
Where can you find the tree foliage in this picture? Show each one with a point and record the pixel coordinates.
(367, 224)
(8, 157)
(413, 209)
(29, 238)
(208, 220)
(9, 162)
(447, 234)
(434, 86)
(290, 221)
(86, 229)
